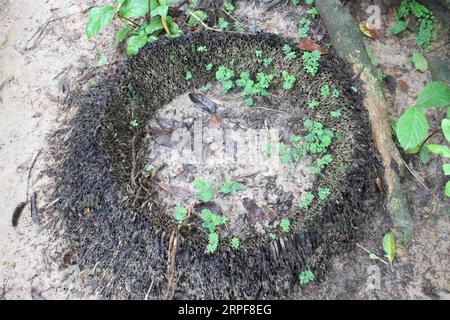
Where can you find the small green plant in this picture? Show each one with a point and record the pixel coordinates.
(285, 225)
(203, 190)
(213, 242)
(249, 102)
(311, 62)
(211, 220)
(225, 75)
(207, 87)
(202, 49)
(180, 214)
(223, 24)
(337, 114)
(209, 67)
(258, 53)
(288, 52)
(153, 14)
(289, 80)
(335, 93)
(313, 104)
(235, 243)
(412, 127)
(307, 200)
(306, 277)
(419, 62)
(230, 186)
(134, 123)
(354, 89)
(424, 16)
(238, 27)
(313, 12)
(267, 62)
(324, 193)
(304, 26)
(389, 247)
(272, 236)
(325, 91)
(188, 75)
(229, 7)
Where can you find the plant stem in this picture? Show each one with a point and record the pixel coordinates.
(204, 24)
(135, 24)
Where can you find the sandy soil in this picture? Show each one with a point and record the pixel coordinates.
(43, 54)
(37, 74)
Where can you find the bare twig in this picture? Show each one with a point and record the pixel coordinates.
(369, 252)
(203, 24)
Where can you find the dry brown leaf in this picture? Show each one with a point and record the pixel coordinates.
(371, 33)
(402, 86)
(309, 45)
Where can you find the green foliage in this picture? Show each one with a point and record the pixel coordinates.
(223, 24)
(312, 104)
(202, 49)
(313, 12)
(213, 242)
(307, 200)
(289, 80)
(389, 246)
(238, 27)
(209, 67)
(249, 102)
(134, 123)
(235, 243)
(419, 61)
(318, 139)
(272, 236)
(425, 18)
(180, 213)
(203, 190)
(337, 114)
(325, 91)
(188, 75)
(267, 62)
(311, 62)
(306, 277)
(228, 6)
(336, 93)
(196, 18)
(288, 52)
(211, 220)
(304, 26)
(207, 87)
(412, 127)
(258, 53)
(225, 75)
(285, 225)
(152, 14)
(98, 18)
(324, 193)
(230, 186)
(354, 89)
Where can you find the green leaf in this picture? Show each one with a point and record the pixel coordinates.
(445, 124)
(180, 213)
(199, 16)
(412, 128)
(134, 8)
(446, 168)
(373, 256)
(389, 246)
(419, 61)
(440, 149)
(399, 27)
(447, 189)
(98, 18)
(136, 43)
(435, 95)
(424, 155)
(159, 8)
(154, 26)
(122, 34)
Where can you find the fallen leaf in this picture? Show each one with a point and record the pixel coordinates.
(215, 122)
(402, 86)
(177, 192)
(371, 33)
(309, 45)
